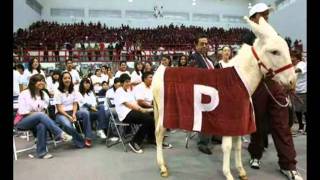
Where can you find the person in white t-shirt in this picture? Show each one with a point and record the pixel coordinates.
(53, 82)
(34, 67)
(300, 105)
(104, 72)
(97, 80)
(226, 57)
(110, 76)
(74, 73)
(88, 104)
(111, 91)
(143, 93)
(66, 100)
(32, 104)
(122, 69)
(16, 82)
(130, 112)
(136, 75)
(23, 81)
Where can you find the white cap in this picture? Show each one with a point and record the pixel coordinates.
(258, 8)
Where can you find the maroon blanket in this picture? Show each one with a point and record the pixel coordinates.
(212, 101)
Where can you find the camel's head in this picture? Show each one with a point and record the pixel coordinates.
(273, 52)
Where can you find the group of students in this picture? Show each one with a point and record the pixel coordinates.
(75, 100)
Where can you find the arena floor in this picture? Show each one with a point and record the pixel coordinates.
(102, 163)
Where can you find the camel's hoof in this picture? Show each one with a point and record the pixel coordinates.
(164, 173)
(245, 177)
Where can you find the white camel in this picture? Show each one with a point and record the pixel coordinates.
(273, 52)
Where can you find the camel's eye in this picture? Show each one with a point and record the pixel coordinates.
(275, 52)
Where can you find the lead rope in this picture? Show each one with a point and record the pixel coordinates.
(274, 99)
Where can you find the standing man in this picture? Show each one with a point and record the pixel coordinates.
(201, 60)
(268, 110)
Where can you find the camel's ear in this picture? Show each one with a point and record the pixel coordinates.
(267, 28)
(256, 28)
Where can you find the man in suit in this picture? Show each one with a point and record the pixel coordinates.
(200, 59)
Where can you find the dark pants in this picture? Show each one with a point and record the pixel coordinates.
(146, 130)
(267, 110)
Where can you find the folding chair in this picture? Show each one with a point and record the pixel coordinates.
(114, 122)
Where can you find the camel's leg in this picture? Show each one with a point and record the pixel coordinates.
(238, 159)
(226, 149)
(159, 133)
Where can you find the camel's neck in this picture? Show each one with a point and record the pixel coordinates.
(247, 67)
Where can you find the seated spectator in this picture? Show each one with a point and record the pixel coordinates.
(148, 67)
(143, 93)
(67, 100)
(105, 87)
(53, 82)
(74, 73)
(16, 82)
(130, 112)
(183, 61)
(226, 57)
(122, 69)
(88, 104)
(137, 74)
(32, 104)
(97, 80)
(34, 67)
(110, 93)
(104, 72)
(23, 82)
(110, 76)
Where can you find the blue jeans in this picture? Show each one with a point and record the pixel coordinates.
(42, 123)
(101, 116)
(68, 127)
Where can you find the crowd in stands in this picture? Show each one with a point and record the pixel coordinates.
(43, 34)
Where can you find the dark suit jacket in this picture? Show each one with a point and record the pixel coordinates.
(196, 60)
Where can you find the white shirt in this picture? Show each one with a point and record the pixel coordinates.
(89, 98)
(52, 87)
(27, 104)
(97, 79)
(23, 79)
(16, 82)
(224, 64)
(75, 75)
(135, 78)
(121, 96)
(111, 81)
(301, 86)
(119, 73)
(28, 74)
(110, 93)
(66, 99)
(141, 91)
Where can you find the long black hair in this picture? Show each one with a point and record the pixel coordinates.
(81, 86)
(55, 72)
(179, 62)
(30, 65)
(32, 82)
(136, 67)
(61, 85)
